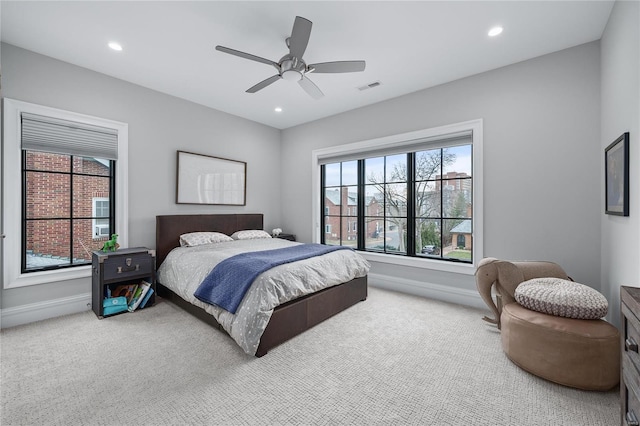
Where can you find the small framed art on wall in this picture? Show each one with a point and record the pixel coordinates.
(616, 173)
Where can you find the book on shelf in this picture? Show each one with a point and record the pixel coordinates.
(139, 294)
(146, 298)
(124, 290)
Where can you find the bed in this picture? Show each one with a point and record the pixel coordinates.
(286, 320)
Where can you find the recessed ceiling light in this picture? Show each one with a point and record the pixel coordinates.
(278, 109)
(495, 31)
(115, 46)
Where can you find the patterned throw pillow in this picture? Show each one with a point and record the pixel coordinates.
(193, 239)
(250, 234)
(562, 298)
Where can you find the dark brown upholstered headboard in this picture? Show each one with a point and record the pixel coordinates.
(170, 227)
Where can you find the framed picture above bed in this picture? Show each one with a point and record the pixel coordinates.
(203, 179)
(616, 172)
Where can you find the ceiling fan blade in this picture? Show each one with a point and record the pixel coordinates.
(310, 87)
(264, 83)
(246, 55)
(299, 37)
(339, 66)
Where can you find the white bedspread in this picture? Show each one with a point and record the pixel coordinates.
(185, 267)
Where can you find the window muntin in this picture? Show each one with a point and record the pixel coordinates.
(395, 168)
(385, 183)
(341, 204)
(417, 204)
(443, 201)
(64, 198)
(332, 175)
(349, 173)
(374, 239)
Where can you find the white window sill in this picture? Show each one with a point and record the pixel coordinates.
(45, 277)
(424, 263)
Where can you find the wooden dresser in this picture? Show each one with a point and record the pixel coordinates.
(630, 365)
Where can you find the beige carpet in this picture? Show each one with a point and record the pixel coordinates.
(393, 359)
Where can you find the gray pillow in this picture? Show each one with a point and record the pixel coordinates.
(562, 298)
(250, 234)
(193, 239)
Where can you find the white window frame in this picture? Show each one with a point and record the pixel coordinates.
(12, 194)
(398, 141)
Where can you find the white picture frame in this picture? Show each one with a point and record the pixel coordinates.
(204, 179)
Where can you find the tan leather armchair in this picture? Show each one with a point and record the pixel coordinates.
(506, 276)
(581, 353)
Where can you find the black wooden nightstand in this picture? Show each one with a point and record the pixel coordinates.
(125, 266)
(289, 237)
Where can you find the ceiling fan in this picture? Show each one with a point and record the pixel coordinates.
(292, 67)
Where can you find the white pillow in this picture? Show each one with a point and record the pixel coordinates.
(250, 234)
(193, 239)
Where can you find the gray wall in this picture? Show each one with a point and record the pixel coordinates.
(159, 125)
(542, 158)
(543, 167)
(620, 68)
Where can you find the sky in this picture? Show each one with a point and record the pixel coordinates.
(462, 164)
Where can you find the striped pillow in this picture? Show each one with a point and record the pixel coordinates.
(562, 298)
(250, 234)
(193, 239)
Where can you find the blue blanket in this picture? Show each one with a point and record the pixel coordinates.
(228, 282)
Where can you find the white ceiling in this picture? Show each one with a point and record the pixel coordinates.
(408, 46)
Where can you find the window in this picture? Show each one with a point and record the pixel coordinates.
(340, 203)
(415, 196)
(423, 199)
(385, 187)
(72, 194)
(100, 221)
(62, 214)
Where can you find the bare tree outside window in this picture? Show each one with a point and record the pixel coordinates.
(428, 167)
(428, 192)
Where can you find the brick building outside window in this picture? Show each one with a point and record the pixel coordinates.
(67, 206)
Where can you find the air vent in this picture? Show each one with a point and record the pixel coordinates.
(369, 86)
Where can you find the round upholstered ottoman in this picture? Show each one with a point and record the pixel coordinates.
(583, 354)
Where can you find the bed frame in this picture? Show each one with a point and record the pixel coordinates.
(288, 320)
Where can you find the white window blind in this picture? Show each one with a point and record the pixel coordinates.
(401, 147)
(48, 134)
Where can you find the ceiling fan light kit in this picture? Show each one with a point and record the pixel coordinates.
(292, 67)
(291, 75)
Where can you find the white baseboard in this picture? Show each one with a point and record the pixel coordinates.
(32, 312)
(445, 293)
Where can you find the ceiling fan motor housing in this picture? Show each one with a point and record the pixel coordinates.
(292, 68)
